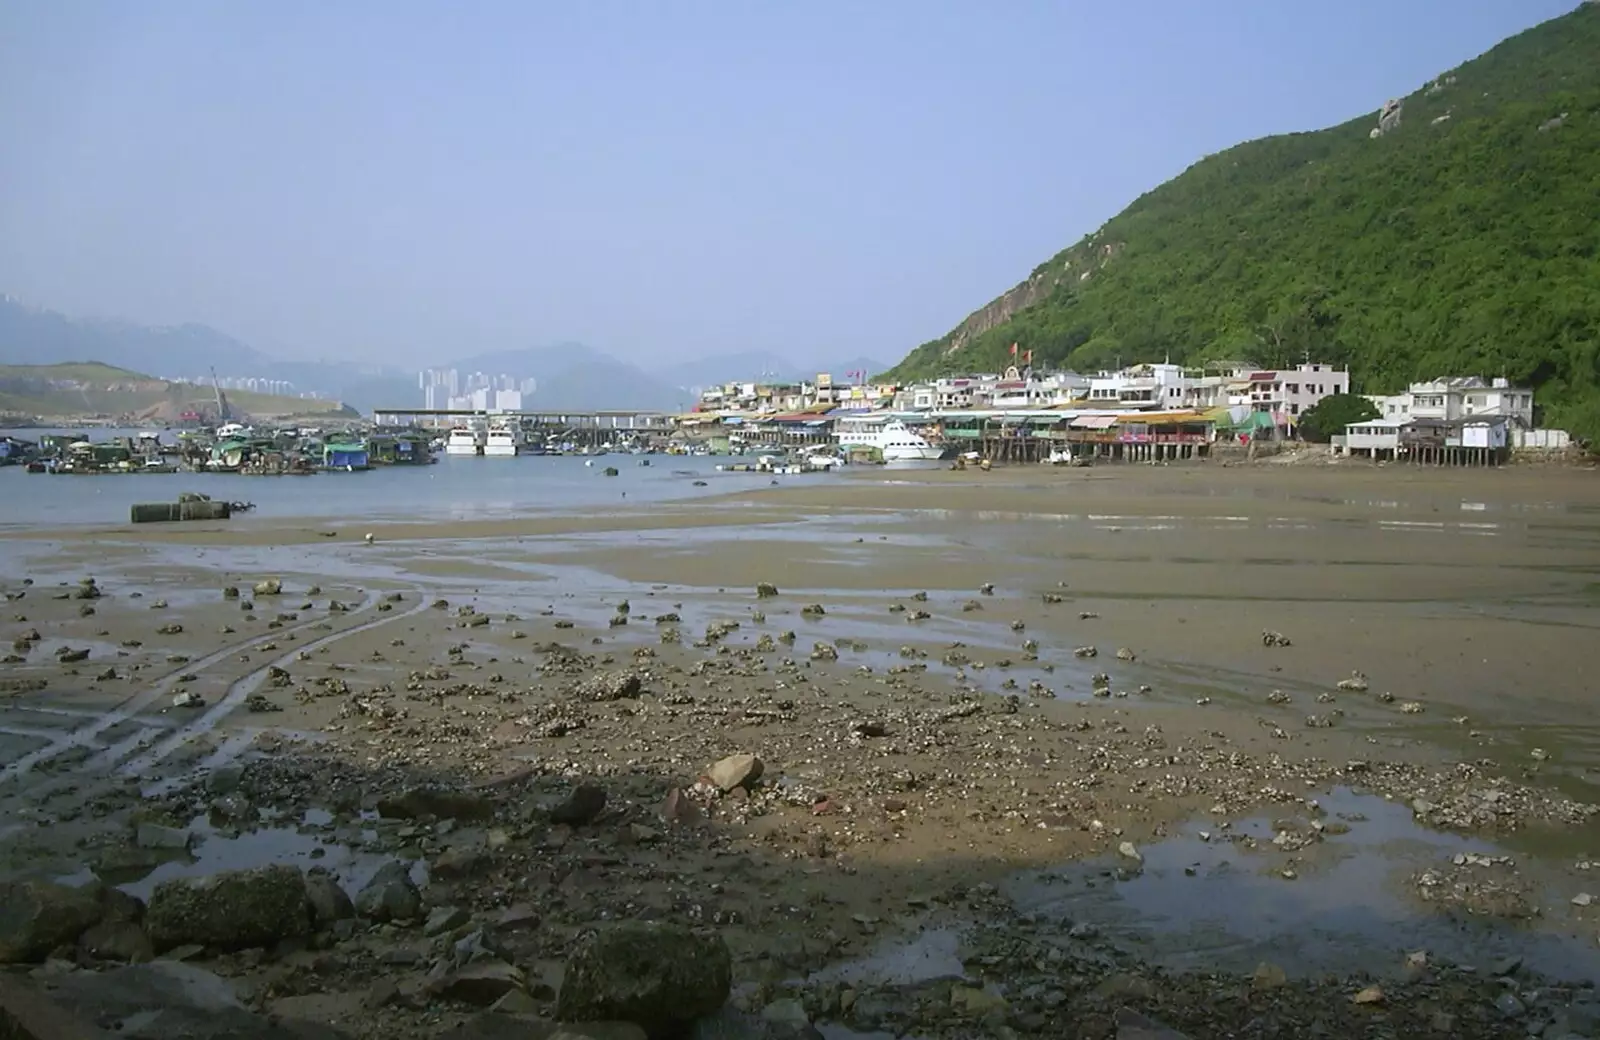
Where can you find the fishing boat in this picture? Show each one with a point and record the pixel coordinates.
(346, 456)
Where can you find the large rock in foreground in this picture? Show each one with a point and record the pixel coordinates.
(658, 976)
(38, 916)
(232, 910)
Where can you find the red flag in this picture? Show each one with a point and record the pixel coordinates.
(1030, 357)
(1013, 350)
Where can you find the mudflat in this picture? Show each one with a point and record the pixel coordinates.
(1310, 715)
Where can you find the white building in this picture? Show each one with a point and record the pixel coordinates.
(1140, 388)
(1285, 392)
(1458, 397)
(1377, 438)
(1013, 388)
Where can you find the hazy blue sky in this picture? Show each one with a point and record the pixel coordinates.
(657, 178)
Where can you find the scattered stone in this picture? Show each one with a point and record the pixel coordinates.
(585, 803)
(480, 984)
(618, 685)
(269, 587)
(766, 590)
(444, 919)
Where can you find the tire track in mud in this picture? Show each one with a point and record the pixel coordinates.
(240, 690)
(85, 736)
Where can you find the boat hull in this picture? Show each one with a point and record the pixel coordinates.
(898, 453)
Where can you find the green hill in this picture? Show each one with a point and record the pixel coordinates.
(81, 389)
(1463, 241)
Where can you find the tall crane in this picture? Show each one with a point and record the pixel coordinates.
(222, 402)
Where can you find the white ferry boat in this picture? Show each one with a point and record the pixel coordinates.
(465, 440)
(503, 439)
(897, 441)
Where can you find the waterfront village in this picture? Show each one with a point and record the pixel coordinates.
(1144, 413)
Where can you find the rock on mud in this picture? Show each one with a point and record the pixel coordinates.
(735, 771)
(37, 916)
(327, 899)
(232, 910)
(619, 685)
(659, 976)
(390, 895)
(586, 802)
(440, 802)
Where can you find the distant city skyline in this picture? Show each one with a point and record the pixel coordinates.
(446, 389)
(252, 384)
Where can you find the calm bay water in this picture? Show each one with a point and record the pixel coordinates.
(459, 488)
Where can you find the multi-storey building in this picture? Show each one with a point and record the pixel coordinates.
(1458, 397)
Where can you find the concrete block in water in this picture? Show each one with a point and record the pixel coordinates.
(162, 512)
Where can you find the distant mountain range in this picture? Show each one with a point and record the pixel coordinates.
(569, 375)
(34, 336)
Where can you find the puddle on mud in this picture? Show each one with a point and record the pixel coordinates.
(1222, 905)
(1219, 903)
(347, 854)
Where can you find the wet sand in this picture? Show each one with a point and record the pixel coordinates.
(978, 745)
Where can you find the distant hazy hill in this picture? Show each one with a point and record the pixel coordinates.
(578, 378)
(34, 336)
(1462, 239)
(82, 389)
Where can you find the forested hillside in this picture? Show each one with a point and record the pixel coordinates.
(1463, 238)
